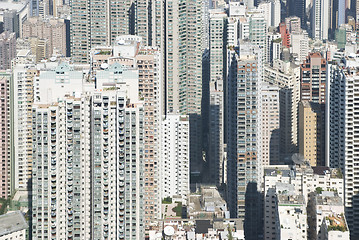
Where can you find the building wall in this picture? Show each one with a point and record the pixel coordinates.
(5, 166)
(244, 131)
(21, 235)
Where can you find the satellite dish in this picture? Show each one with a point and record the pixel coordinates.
(104, 65)
(169, 231)
(298, 158)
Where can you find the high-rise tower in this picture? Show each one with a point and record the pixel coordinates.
(342, 141)
(244, 135)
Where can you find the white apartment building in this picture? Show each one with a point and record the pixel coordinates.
(232, 31)
(258, 30)
(95, 165)
(287, 191)
(271, 12)
(175, 156)
(270, 124)
(244, 133)
(326, 217)
(342, 147)
(21, 97)
(320, 19)
(274, 46)
(142, 72)
(299, 46)
(97, 157)
(286, 76)
(217, 76)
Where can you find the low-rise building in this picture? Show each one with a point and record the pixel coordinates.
(287, 190)
(13, 226)
(326, 217)
(197, 230)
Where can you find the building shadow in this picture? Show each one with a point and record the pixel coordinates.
(253, 220)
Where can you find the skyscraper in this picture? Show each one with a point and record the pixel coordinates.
(97, 184)
(313, 78)
(95, 23)
(311, 131)
(129, 51)
(320, 19)
(286, 76)
(5, 164)
(217, 65)
(342, 147)
(244, 132)
(21, 95)
(270, 124)
(175, 156)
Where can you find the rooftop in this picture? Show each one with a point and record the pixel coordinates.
(284, 199)
(336, 223)
(12, 222)
(326, 199)
(12, 5)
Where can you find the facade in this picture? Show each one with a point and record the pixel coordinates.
(7, 49)
(54, 30)
(341, 142)
(175, 156)
(311, 132)
(292, 216)
(293, 24)
(92, 25)
(13, 14)
(5, 165)
(13, 226)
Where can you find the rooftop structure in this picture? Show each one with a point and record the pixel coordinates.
(197, 229)
(11, 223)
(207, 204)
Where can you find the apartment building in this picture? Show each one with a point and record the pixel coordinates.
(341, 131)
(175, 175)
(5, 164)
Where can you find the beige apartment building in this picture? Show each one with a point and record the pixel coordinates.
(310, 132)
(52, 29)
